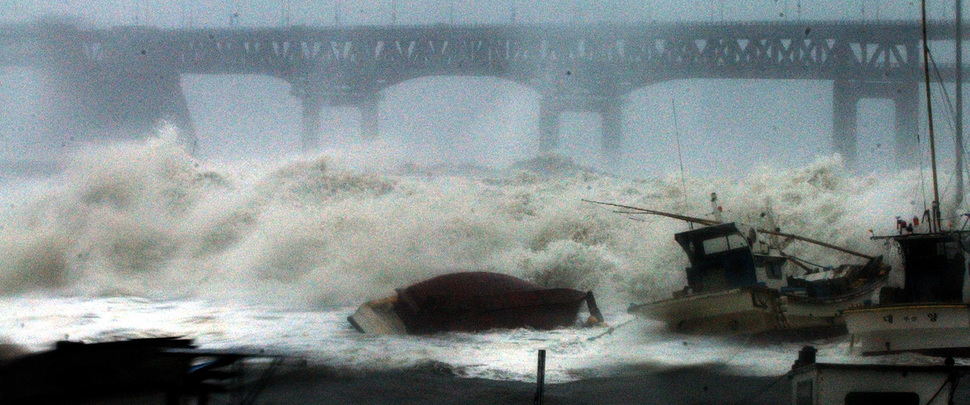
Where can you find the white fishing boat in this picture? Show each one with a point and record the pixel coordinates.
(743, 283)
(856, 384)
(930, 313)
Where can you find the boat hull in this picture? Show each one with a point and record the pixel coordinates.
(378, 316)
(749, 311)
(933, 329)
(471, 302)
(723, 312)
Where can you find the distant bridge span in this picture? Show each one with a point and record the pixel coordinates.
(129, 76)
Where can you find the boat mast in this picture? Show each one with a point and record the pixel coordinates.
(680, 158)
(935, 220)
(958, 133)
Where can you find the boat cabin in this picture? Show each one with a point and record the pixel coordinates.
(858, 384)
(935, 269)
(721, 258)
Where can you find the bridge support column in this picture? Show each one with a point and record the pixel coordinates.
(370, 116)
(310, 138)
(906, 98)
(845, 100)
(612, 116)
(548, 125)
(127, 99)
(130, 103)
(182, 119)
(610, 110)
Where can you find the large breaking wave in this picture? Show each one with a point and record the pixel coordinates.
(146, 219)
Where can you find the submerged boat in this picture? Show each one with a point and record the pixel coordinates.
(930, 313)
(473, 302)
(740, 284)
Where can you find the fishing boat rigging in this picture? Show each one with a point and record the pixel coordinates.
(741, 284)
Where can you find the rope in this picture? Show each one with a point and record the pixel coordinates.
(609, 331)
(819, 267)
(951, 124)
(945, 382)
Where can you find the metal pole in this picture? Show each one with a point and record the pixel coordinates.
(935, 220)
(958, 134)
(540, 378)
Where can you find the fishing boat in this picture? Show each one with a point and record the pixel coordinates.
(743, 283)
(473, 302)
(815, 383)
(930, 313)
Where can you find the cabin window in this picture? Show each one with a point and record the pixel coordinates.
(773, 270)
(737, 241)
(804, 393)
(717, 245)
(952, 250)
(882, 398)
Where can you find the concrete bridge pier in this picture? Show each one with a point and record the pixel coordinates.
(370, 115)
(548, 126)
(369, 107)
(905, 97)
(610, 110)
(122, 104)
(170, 106)
(309, 136)
(92, 101)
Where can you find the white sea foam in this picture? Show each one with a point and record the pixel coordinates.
(140, 238)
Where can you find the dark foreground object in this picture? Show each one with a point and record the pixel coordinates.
(166, 370)
(436, 385)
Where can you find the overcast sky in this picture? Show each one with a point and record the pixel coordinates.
(172, 13)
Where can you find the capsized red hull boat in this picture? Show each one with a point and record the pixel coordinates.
(473, 302)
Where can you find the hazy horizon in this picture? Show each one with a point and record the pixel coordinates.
(723, 127)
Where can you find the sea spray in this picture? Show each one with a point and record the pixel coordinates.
(146, 219)
(141, 238)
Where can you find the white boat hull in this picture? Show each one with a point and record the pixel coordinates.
(378, 316)
(939, 329)
(745, 311)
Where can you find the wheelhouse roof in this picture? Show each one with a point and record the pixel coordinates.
(706, 232)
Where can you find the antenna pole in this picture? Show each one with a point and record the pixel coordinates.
(680, 158)
(958, 133)
(935, 221)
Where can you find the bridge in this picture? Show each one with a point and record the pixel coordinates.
(115, 80)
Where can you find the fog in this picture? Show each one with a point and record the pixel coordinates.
(722, 127)
(173, 13)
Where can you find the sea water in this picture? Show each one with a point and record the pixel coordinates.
(140, 239)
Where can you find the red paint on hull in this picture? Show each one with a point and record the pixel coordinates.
(479, 301)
